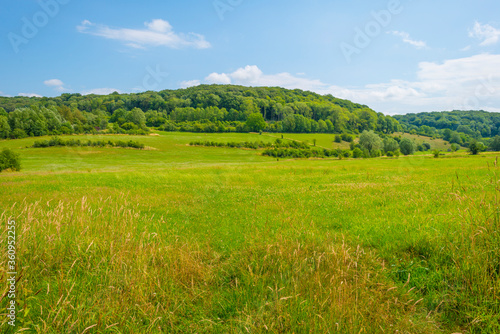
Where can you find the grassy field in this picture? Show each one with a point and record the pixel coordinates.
(438, 143)
(217, 240)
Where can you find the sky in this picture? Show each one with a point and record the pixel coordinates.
(396, 56)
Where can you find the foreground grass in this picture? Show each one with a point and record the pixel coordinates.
(182, 239)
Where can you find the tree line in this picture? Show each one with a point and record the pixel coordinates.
(458, 126)
(205, 108)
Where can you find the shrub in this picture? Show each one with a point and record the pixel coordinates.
(407, 146)
(475, 147)
(357, 153)
(9, 160)
(435, 153)
(347, 137)
(338, 138)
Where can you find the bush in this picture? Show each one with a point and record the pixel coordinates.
(475, 147)
(9, 160)
(357, 153)
(347, 137)
(407, 146)
(338, 138)
(435, 153)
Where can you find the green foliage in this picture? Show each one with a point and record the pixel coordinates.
(475, 147)
(205, 108)
(407, 146)
(56, 141)
(9, 160)
(347, 137)
(370, 141)
(474, 123)
(390, 145)
(436, 153)
(338, 139)
(495, 144)
(4, 127)
(357, 153)
(255, 122)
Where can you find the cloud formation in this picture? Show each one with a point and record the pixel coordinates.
(190, 83)
(462, 84)
(57, 84)
(486, 33)
(101, 91)
(157, 33)
(251, 75)
(29, 95)
(406, 38)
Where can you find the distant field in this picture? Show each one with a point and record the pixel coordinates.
(325, 140)
(187, 239)
(437, 143)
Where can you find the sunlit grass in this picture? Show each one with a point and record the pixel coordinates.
(202, 239)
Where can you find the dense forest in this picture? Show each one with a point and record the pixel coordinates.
(474, 123)
(228, 108)
(205, 108)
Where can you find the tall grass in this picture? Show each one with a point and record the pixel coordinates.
(87, 266)
(194, 239)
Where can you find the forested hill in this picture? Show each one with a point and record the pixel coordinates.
(205, 108)
(473, 123)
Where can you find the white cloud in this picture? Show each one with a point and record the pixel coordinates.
(486, 33)
(57, 84)
(190, 83)
(216, 78)
(251, 75)
(53, 82)
(406, 38)
(464, 83)
(29, 95)
(101, 91)
(157, 33)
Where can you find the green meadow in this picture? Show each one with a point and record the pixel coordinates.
(181, 239)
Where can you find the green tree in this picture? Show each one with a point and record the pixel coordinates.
(370, 141)
(9, 160)
(407, 146)
(4, 127)
(390, 145)
(255, 122)
(357, 153)
(322, 126)
(494, 145)
(137, 117)
(475, 147)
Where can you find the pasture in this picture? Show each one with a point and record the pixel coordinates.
(187, 239)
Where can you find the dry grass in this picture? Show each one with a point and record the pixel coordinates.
(87, 266)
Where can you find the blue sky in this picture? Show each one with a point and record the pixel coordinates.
(396, 56)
